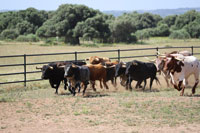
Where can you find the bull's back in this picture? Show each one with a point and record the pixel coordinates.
(84, 73)
(145, 71)
(191, 65)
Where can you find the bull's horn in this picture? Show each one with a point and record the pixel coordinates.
(163, 56)
(96, 59)
(123, 65)
(38, 67)
(150, 59)
(134, 63)
(158, 53)
(178, 59)
(61, 66)
(50, 67)
(73, 65)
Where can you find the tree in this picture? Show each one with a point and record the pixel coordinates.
(95, 27)
(179, 34)
(26, 21)
(162, 30)
(193, 29)
(169, 20)
(9, 34)
(65, 20)
(25, 27)
(122, 29)
(186, 18)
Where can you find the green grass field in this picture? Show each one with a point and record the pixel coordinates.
(36, 108)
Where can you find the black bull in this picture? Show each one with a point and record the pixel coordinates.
(55, 73)
(76, 75)
(138, 71)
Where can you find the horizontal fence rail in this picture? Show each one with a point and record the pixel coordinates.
(25, 57)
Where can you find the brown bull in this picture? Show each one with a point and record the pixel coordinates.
(97, 72)
(97, 60)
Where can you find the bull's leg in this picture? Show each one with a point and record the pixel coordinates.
(181, 86)
(70, 88)
(115, 81)
(93, 85)
(145, 82)
(195, 85)
(65, 84)
(73, 91)
(57, 86)
(101, 86)
(78, 86)
(138, 84)
(151, 82)
(182, 92)
(167, 81)
(104, 83)
(129, 85)
(85, 86)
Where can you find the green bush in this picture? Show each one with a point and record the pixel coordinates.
(142, 34)
(179, 34)
(9, 34)
(28, 38)
(49, 41)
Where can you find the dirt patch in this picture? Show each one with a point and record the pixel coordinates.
(113, 110)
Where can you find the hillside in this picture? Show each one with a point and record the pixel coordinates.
(161, 12)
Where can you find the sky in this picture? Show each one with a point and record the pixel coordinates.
(102, 5)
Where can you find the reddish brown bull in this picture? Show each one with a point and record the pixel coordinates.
(97, 72)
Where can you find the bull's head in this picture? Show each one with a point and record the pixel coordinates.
(46, 71)
(120, 69)
(174, 65)
(69, 70)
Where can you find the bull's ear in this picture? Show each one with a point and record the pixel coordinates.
(135, 64)
(50, 67)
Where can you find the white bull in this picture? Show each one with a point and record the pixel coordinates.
(180, 69)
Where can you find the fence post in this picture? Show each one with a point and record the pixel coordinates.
(157, 51)
(192, 50)
(24, 70)
(75, 53)
(118, 54)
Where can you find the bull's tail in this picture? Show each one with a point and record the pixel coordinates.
(157, 80)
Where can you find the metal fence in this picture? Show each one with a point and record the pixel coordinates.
(25, 57)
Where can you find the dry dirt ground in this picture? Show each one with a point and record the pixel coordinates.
(113, 110)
